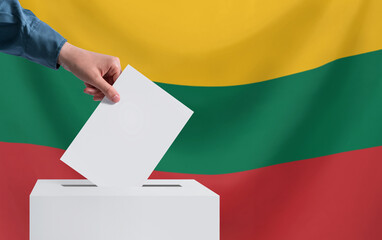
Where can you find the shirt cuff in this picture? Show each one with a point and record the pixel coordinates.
(43, 45)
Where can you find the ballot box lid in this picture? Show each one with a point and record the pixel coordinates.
(154, 187)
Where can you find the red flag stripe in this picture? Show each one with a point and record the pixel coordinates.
(331, 197)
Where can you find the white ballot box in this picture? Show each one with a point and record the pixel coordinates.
(158, 210)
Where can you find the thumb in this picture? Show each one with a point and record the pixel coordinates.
(107, 89)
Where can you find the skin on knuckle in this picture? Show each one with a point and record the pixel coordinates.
(116, 63)
(117, 66)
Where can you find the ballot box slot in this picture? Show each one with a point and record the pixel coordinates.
(78, 185)
(161, 185)
(144, 185)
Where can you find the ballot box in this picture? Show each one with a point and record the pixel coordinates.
(157, 210)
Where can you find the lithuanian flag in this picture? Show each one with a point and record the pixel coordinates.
(287, 97)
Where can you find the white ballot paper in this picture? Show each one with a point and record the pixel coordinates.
(121, 144)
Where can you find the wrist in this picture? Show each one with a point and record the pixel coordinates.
(63, 57)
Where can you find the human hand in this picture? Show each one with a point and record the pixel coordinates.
(98, 71)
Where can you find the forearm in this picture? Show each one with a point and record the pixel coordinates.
(23, 34)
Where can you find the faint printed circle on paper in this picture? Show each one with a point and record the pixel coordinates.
(132, 119)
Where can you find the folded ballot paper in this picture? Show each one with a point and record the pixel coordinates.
(121, 144)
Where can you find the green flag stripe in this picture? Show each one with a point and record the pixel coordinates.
(327, 110)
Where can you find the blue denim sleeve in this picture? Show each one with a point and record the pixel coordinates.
(23, 34)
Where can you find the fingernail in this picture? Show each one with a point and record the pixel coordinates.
(115, 99)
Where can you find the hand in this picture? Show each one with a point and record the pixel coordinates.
(98, 71)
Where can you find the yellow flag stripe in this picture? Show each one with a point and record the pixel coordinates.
(216, 42)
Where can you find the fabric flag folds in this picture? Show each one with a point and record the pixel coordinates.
(286, 98)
